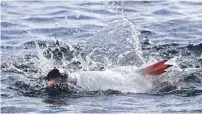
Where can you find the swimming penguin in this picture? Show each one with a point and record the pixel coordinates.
(62, 77)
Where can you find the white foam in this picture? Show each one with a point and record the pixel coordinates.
(124, 79)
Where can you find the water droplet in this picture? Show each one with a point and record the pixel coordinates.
(77, 14)
(66, 18)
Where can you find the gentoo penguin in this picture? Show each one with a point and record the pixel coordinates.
(62, 78)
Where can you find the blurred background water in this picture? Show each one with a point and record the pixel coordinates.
(126, 32)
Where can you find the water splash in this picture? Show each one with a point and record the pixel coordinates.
(108, 60)
(111, 47)
(115, 43)
(124, 79)
(118, 42)
(135, 40)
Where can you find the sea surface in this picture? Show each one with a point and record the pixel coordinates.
(106, 41)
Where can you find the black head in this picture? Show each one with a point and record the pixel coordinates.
(53, 74)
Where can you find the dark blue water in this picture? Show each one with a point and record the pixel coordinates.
(106, 35)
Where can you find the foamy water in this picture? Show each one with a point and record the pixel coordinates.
(102, 44)
(125, 79)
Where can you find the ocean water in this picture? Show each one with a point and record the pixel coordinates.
(103, 42)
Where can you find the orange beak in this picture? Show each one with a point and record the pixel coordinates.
(51, 83)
